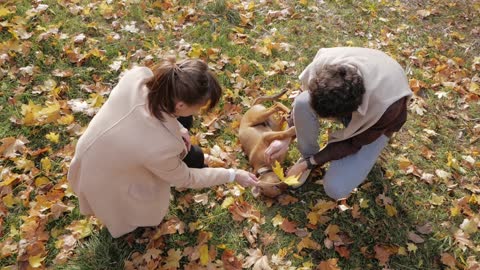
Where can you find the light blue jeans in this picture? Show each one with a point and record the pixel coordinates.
(344, 174)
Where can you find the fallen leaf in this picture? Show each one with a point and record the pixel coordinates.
(415, 238)
(288, 226)
(308, 243)
(448, 260)
(230, 261)
(330, 264)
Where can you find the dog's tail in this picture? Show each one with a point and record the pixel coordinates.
(269, 98)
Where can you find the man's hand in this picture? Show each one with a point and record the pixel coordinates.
(186, 138)
(245, 179)
(297, 169)
(276, 149)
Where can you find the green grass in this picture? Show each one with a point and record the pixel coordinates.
(422, 45)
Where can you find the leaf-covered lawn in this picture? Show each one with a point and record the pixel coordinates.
(418, 209)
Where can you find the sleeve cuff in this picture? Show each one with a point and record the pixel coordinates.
(232, 175)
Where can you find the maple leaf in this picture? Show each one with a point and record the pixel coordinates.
(332, 231)
(173, 259)
(230, 261)
(36, 261)
(256, 259)
(343, 251)
(278, 170)
(11, 146)
(382, 254)
(244, 210)
(308, 243)
(330, 264)
(288, 226)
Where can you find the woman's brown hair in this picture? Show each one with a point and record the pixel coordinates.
(188, 81)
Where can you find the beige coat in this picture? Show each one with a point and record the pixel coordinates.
(127, 160)
(384, 80)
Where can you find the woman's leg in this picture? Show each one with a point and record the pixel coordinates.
(195, 157)
(306, 124)
(347, 173)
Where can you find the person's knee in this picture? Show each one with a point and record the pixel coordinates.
(302, 101)
(336, 191)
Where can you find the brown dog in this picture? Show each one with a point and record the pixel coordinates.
(258, 128)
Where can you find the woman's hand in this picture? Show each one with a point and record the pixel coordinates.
(245, 179)
(297, 169)
(186, 138)
(276, 149)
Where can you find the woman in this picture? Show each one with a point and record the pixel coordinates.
(134, 148)
(365, 90)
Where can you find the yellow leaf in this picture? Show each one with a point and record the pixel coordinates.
(29, 112)
(46, 164)
(291, 180)
(65, 120)
(49, 113)
(23, 164)
(455, 211)
(8, 200)
(80, 228)
(13, 231)
(312, 218)
(332, 232)
(303, 2)
(437, 200)
(309, 243)
(278, 170)
(363, 203)
(196, 50)
(40, 181)
(227, 202)
(53, 137)
(411, 247)
(36, 261)
(7, 181)
(96, 100)
(4, 12)
(277, 220)
(474, 88)
(402, 251)
(391, 211)
(204, 257)
(474, 199)
(403, 163)
(251, 6)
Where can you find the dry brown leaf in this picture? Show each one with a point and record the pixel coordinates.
(448, 260)
(287, 199)
(230, 261)
(330, 264)
(343, 251)
(415, 238)
(308, 243)
(256, 260)
(288, 226)
(425, 229)
(382, 254)
(244, 210)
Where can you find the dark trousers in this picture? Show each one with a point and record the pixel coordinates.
(194, 158)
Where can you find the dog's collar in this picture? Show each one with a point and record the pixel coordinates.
(264, 170)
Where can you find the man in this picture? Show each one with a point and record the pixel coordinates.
(363, 88)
